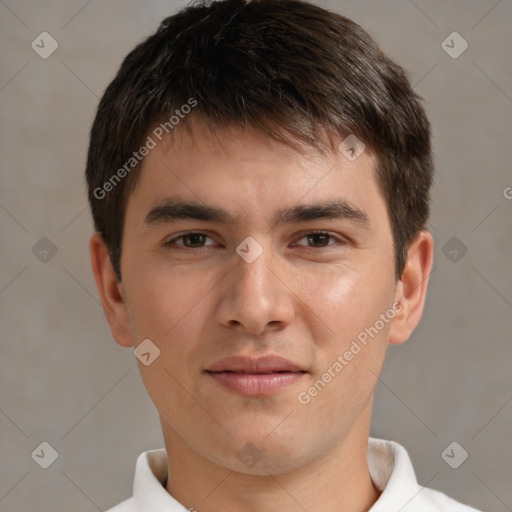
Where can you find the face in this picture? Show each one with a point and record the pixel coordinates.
(253, 281)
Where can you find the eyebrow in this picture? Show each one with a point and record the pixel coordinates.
(171, 210)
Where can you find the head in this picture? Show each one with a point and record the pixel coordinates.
(250, 108)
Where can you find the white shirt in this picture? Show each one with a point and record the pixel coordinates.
(390, 469)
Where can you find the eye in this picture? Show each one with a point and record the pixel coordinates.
(321, 239)
(196, 240)
(191, 240)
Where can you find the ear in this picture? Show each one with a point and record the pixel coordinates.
(411, 291)
(110, 290)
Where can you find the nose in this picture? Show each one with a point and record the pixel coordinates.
(256, 297)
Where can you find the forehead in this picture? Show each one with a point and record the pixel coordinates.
(243, 173)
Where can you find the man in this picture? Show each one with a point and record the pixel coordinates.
(259, 177)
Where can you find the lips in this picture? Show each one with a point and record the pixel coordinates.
(253, 377)
(255, 366)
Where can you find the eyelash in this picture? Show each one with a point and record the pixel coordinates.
(340, 240)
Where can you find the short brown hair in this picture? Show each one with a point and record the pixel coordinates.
(281, 67)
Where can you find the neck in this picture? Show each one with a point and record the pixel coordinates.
(336, 480)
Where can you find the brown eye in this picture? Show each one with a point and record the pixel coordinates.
(192, 240)
(319, 239)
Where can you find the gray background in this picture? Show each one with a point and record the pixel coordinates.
(66, 382)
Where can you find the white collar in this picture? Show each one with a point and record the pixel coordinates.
(389, 465)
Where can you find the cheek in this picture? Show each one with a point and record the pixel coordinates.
(169, 306)
(162, 298)
(351, 352)
(165, 304)
(345, 300)
(349, 303)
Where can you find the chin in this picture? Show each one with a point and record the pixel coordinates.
(260, 454)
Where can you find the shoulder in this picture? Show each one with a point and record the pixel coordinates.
(435, 501)
(393, 474)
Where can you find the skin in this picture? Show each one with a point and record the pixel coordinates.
(300, 299)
